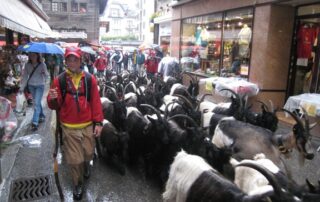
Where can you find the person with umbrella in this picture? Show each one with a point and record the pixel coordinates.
(34, 79)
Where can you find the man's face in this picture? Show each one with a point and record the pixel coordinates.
(73, 63)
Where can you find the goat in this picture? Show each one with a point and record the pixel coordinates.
(266, 119)
(247, 140)
(114, 145)
(192, 179)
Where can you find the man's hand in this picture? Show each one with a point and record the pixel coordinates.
(97, 130)
(53, 93)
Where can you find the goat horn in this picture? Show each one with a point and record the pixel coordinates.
(185, 100)
(267, 174)
(263, 105)
(312, 125)
(113, 91)
(201, 100)
(187, 74)
(186, 117)
(154, 109)
(271, 106)
(234, 93)
(167, 107)
(294, 117)
(306, 119)
(125, 88)
(310, 186)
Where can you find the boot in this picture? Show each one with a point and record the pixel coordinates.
(87, 170)
(77, 192)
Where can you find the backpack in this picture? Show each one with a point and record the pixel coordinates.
(63, 85)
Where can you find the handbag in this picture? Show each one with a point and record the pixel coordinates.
(26, 89)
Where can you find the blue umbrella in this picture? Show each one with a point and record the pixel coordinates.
(42, 47)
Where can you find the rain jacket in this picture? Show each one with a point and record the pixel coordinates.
(77, 112)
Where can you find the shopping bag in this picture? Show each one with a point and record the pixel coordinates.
(21, 103)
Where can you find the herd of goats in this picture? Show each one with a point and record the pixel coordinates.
(199, 150)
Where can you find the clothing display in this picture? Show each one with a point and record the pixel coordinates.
(306, 36)
(244, 35)
(244, 38)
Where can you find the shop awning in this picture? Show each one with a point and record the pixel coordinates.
(17, 16)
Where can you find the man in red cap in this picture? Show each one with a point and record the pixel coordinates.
(80, 118)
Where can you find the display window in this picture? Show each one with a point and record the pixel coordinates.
(306, 49)
(218, 44)
(201, 43)
(237, 35)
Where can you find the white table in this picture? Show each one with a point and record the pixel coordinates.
(309, 101)
(238, 85)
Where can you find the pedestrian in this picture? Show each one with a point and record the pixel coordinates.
(140, 61)
(80, 114)
(125, 60)
(34, 79)
(151, 64)
(100, 64)
(117, 59)
(134, 60)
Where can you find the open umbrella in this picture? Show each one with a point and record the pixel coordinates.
(88, 49)
(144, 46)
(42, 47)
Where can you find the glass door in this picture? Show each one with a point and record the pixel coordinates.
(305, 56)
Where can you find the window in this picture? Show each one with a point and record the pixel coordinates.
(54, 6)
(115, 12)
(63, 7)
(74, 7)
(83, 7)
(204, 48)
(237, 41)
(201, 43)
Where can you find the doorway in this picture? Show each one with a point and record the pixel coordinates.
(304, 65)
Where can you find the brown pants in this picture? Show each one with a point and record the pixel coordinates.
(78, 147)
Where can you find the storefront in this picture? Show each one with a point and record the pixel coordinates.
(304, 66)
(254, 40)
(219, 43)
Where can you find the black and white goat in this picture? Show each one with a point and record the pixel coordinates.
(192, 179)
(247, 140)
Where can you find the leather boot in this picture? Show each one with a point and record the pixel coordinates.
(87, 170)
(78, 192)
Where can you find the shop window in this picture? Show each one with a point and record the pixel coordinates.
(63, 7)
(201, 43)
(74, 7)
(54, 6)
(83, 7)
(237, 37)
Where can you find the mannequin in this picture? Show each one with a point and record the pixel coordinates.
(244, 38)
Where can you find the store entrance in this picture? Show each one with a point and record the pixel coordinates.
(305, 60)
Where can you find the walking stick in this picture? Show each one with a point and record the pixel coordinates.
(97, 144)
(55, 161)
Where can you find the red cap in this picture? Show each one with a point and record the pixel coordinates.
(73, 51)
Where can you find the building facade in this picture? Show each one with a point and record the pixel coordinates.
(263, 41)
(121, 20)
(74, 21)
(162, 23)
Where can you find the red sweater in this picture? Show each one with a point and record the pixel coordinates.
(151, 65)
(100, 64)
(68, 111)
